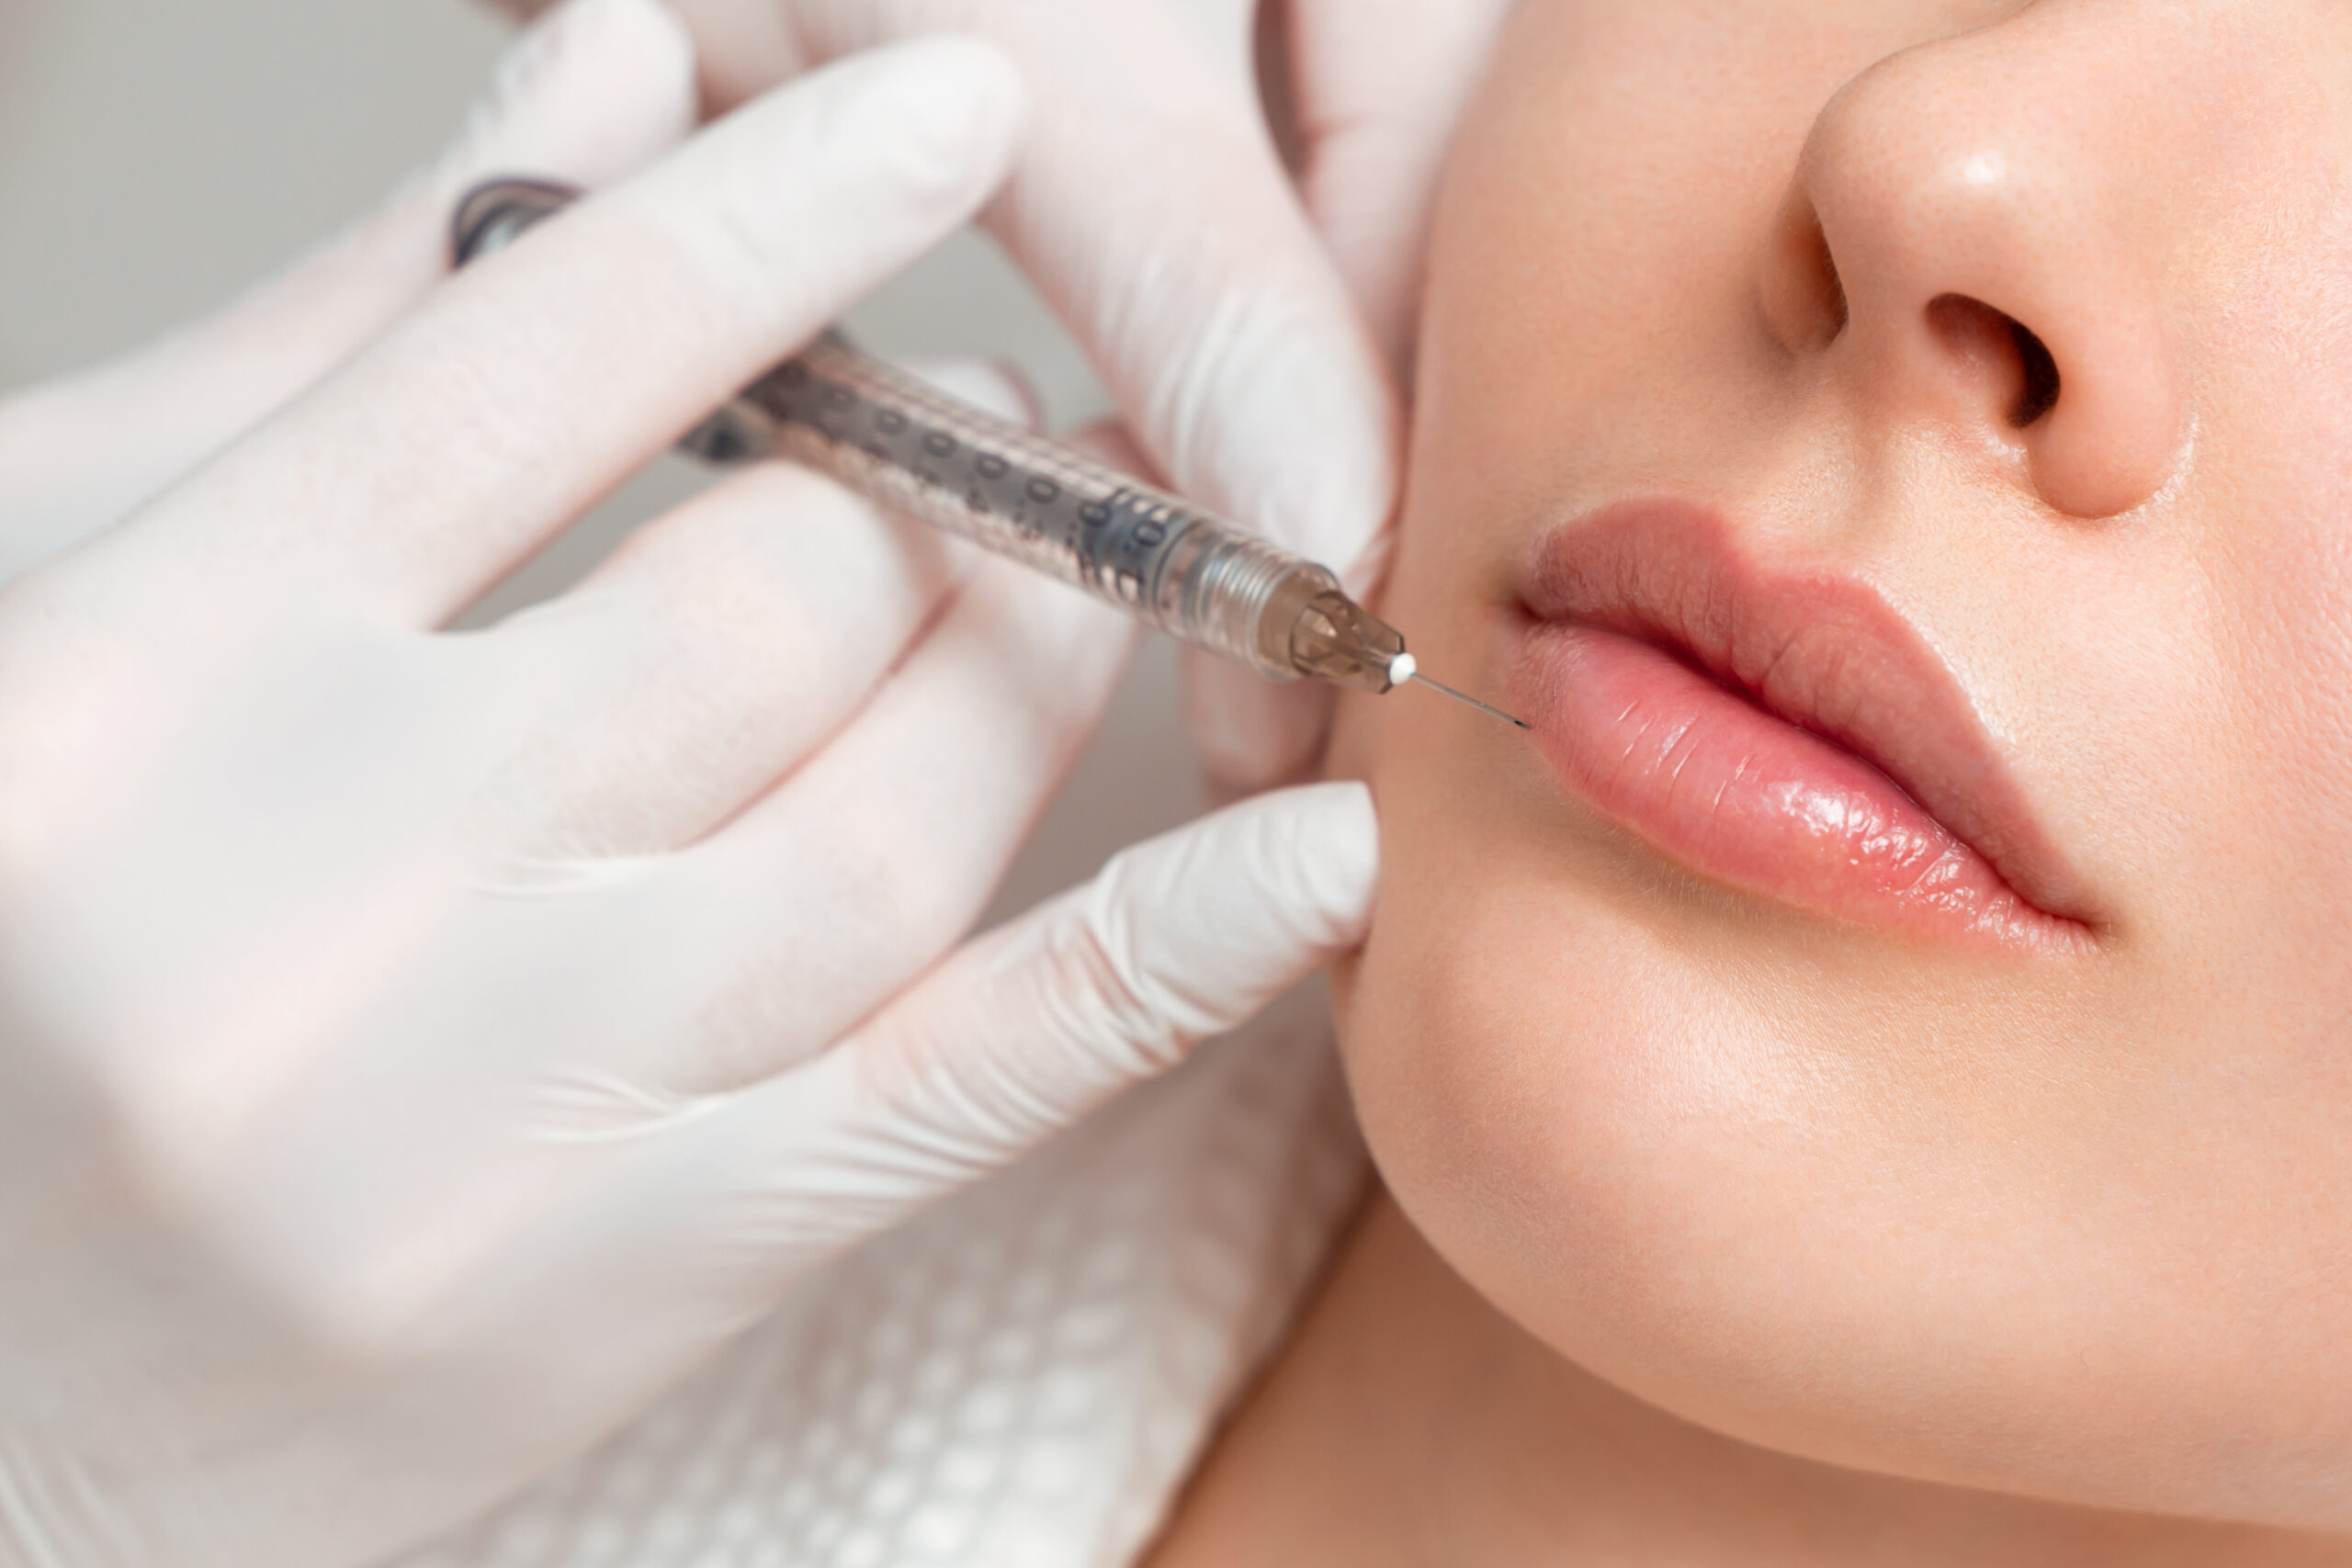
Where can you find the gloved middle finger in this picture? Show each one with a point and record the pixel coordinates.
(703, 661)
(716, 648)
(792, 923)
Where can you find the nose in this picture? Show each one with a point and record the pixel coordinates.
(1970, 242)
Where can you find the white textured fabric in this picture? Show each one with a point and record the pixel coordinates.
(1020, 1379)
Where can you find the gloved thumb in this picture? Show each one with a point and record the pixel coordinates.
(1025, 1029)
(588, 93)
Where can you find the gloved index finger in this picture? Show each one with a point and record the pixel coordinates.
(1152, 210)
(1379, 86)
(529, 386)
(1175, 248)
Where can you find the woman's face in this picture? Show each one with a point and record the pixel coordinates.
(1896, 1007)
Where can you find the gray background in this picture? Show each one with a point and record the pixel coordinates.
(157, 155)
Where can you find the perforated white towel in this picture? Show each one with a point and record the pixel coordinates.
(1020, 1379)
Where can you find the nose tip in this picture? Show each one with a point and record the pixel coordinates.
(1956, 245)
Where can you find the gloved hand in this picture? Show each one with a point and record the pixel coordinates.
(1151, 207)
(418, 1049)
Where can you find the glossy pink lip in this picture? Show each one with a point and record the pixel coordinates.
(1780, 730)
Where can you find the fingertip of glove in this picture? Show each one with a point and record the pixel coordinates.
(958, 102)
(1329, 835)
(648, 29)
(587, 92)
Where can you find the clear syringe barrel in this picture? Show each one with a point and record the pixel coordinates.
(901, 443)
(898, 441)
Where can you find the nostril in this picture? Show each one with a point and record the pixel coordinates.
(2039, 393)
(2003, 350)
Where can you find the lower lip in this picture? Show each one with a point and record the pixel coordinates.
(1721, 786)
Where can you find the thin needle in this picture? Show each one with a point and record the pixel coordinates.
(1460, 697)
(1403, 669)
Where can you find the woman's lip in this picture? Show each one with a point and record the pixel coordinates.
(1779, 728)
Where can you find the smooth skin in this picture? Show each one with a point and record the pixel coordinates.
(1718, 1231)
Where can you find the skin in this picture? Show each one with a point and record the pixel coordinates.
(1715, 1229)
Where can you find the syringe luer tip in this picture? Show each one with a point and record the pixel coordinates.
(1332, 637)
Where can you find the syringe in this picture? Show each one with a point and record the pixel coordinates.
(899, 442)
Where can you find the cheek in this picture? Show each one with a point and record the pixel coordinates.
(2226, 784)
(1503, 1050)
(2274, 818)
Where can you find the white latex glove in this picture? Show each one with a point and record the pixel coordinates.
(1150, 206)
(417, 1049)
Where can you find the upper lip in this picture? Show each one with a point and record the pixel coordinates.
(1814, 645)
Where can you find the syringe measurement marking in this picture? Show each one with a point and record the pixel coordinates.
(1024, 498)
